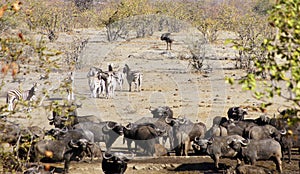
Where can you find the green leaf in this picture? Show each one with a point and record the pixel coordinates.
(258, 95)
(228, 41)
(229, 80)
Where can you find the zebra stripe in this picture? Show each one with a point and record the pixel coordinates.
(133, 77)
(15, 95)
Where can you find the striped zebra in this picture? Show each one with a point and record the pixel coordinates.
(15, 95)
(133, 77)
(94, 81)
(70, 87)
(98, 85)
(118, 76)
(111, 85)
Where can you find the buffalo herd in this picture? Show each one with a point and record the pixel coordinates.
(74, 138)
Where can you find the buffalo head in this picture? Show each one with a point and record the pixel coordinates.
(115, 163)
(236, 113)
(113, 126)
(161, 111)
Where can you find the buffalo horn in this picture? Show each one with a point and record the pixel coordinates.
(278, 109)
(50, 119)
(106, 128)
(73, 144)
(128, 126)
(64, 130)
(168, 120)
(197, 139)
(107, 157)
(271, 131)
(244, 143)
(283, 132)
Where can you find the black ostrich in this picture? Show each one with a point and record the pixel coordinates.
(167, 37)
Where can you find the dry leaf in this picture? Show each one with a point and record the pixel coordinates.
(21, 36)
(4, 69)
(2, 10)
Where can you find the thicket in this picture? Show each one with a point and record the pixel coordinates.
(277, 72)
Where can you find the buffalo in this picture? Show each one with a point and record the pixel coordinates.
(106, 132)
(253, 150)
(218, 147)
(67, 116)
(62, 150)
(184, 132)
(115, 163)
(236, 113)
(145, 135)
(76, 149)
(161, 124)
(161, 111)
(264, 132)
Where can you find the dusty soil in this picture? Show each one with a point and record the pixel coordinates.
(168, 79)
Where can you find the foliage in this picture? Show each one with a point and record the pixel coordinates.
(210, 19)
(53, 16)
(251, 29)
(20, 55)
(281, 63)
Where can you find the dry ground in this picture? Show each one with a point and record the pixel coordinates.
(168, 79)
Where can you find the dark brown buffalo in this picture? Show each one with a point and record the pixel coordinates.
(144, 135)
(114, 163)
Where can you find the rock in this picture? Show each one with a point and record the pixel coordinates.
(140, 167)
(160, 150)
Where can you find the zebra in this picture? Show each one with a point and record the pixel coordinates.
(94, 81)
(117, 75)
(133, 76)
(111, 85)
(100, 85)
(15, 95)
(70, 87)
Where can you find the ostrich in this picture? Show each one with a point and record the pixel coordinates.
(167, 37)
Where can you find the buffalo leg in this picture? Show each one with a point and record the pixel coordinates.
(67, 159)
(278, 164)
(129, 144)
(289, 154)
(187, 146)
(216, 158)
